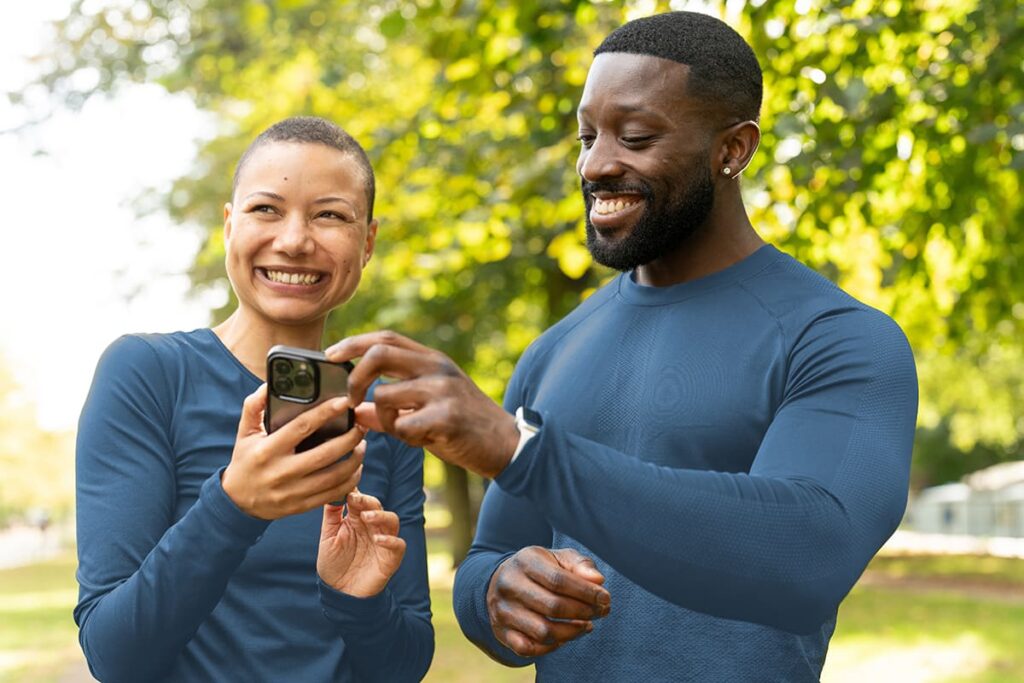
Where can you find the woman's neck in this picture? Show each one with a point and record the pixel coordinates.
(249, 337)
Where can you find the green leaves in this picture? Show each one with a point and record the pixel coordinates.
(891, 158)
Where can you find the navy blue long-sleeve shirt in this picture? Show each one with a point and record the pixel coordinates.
(731, 451)
(177, 583)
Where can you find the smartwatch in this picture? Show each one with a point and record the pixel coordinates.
(528, 422)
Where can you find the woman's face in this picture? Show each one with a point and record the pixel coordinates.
(296, 233)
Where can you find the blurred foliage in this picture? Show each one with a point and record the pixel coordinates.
(891, 160)
(38, 466)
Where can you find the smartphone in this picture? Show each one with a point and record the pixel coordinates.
(300, 379)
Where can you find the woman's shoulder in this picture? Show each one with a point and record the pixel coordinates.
(147, 349)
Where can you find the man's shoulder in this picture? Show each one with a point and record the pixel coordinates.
(796, 295)
(811, 311)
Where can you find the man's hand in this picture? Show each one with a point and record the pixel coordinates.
(432, 403)
(360, 551)
(266, 478)
(539, 599)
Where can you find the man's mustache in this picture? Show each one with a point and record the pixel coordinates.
(589, 188)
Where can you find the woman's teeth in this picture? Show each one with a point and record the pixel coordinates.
(607, 206)
(293, 278)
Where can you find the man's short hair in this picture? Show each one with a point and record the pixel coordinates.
(318, 131)
(722, 66)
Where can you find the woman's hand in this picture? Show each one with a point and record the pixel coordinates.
(266, 478)
(359, 551)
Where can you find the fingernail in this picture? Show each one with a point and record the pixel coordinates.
(369, 514)
(339, 403)
(590, 626)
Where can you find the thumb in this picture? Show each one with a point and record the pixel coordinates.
(367, 418)
(332, 522)
(579, 564)
(251, 421)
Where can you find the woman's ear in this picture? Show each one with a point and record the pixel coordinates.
(736, 148)
(227, 221)
(371, 241)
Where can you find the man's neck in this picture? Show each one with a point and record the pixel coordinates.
(726, 238)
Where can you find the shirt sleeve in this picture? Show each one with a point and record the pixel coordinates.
(146, 582)
(505, 525)
(389, 636)
(781, 545)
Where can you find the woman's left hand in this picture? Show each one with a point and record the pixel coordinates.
(359, 551)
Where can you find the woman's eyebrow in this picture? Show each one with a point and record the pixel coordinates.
(327, 200)
(264, 193)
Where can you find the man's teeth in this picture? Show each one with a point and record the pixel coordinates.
(293, 278)
(607, 206)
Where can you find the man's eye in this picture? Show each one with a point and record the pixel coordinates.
(636, 139)
(586, 139)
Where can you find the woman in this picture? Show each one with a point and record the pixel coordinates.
(203, 550)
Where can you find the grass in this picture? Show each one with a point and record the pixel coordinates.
(38, 639)
(980, 568)
(884, 634)
(456, 660)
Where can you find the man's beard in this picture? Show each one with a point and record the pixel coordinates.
(655, 234)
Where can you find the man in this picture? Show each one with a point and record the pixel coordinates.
(710, 448)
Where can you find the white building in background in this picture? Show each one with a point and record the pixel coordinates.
(989, 502)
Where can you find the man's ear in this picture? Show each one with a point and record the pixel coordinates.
(371, 241)
(227, 221)
(736, 147)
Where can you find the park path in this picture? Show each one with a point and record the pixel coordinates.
(21, 545)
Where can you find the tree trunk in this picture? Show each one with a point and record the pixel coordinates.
(456, 494)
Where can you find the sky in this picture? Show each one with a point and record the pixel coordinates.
(80, 267)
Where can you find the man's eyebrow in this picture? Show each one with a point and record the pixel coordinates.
(266, 194)
(627, 108)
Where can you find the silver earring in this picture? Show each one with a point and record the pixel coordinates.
(727, 171)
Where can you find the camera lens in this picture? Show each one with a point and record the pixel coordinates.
(282, 385)
(303, 379)
(282, 366)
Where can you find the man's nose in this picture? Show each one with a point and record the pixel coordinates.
(601, 160)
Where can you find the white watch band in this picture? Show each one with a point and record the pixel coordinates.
(526, 432)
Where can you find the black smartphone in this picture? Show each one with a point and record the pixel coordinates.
(300, 379)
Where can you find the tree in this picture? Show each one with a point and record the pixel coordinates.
(894, 140)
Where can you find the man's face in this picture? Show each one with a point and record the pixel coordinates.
(644, 165)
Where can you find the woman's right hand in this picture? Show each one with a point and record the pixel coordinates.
(266, 478)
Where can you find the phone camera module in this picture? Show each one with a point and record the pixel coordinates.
(293, 379)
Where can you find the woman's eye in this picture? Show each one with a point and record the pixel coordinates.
(262, 208)
(332, 215)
